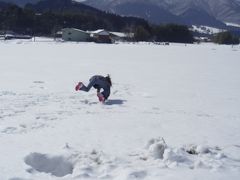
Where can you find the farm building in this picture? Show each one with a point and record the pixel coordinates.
(72, 34)
(120, 36)
(101, 36)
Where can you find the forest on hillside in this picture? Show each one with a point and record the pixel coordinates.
(49, 16)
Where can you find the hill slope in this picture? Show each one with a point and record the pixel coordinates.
(208, 12)
(46, 16)
(205, 12)
(21, 2)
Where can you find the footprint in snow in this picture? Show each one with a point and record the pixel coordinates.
(9, 130)
(38, 82)
(17, 178)
(137, 175)
(5, 93)
(55, 165)
(237, 146)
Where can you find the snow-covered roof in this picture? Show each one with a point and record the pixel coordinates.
(100, 32)
(232, 24)
(119, 34)
(75, 29)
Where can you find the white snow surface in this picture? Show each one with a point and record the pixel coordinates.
(174, 111)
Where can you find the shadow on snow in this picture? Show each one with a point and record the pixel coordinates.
(115, 102)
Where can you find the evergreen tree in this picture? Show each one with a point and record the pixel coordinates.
(141, 34)
(225, 38)
(173, 33)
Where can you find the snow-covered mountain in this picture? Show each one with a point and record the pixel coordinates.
(198, 12)
(190, 11)
(223, 10)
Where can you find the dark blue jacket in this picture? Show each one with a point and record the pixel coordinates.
(98, 82)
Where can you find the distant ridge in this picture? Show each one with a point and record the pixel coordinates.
(198, 12)
(213, 13)
(21, 3)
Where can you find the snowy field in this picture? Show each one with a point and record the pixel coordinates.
(174, 112)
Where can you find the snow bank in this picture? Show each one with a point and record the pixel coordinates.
(190, 156)
(156, 148)
(157, 154)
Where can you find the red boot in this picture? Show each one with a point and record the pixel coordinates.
(100, 97)
(78, 86)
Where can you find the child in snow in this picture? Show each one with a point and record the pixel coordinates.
(98, 82)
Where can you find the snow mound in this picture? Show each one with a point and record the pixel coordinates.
(156, 148)
(156, 156)
(175, 156)
(94, 164)
(189, 156)
(55, 165)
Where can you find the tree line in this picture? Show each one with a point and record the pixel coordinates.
(32, 21)
(225, 38)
